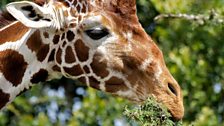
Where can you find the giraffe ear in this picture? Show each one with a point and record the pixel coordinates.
(30, 14)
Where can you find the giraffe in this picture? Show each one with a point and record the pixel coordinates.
(98, 42)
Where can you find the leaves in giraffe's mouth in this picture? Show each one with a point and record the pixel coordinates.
(151, 113)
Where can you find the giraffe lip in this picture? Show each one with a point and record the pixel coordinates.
(173, 118)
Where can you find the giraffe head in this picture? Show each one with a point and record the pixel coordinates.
(102, 44)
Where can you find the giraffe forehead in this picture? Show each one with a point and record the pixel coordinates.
(123, 8)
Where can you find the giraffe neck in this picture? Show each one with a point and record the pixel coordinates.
(29, 56)
(24, 60)
(45, 54)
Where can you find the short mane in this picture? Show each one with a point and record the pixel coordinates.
(5, 18)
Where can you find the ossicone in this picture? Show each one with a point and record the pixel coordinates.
(121, 6)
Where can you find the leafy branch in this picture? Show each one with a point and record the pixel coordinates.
(201, 19)
(151, 113)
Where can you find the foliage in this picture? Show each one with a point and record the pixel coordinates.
(194, 54)
(151, 113)
(99, 106)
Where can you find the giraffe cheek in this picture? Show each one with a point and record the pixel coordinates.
(99, 68)
(99, 65)
(114, 85)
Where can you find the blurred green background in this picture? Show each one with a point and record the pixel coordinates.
(193, 53)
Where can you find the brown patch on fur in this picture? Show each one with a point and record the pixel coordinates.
(82, 80)
(99, 66)
(13, 33)
(84, 9)
(94, 83)
(46, 35)
(75, 2)
(4, 98)
(86, 69)
(58, 56)
(64, 44)
(12, 66)
(40, 76)
(62, 29)
(69, 55)
(78, 8)
(56, 39)
(63, 36)
(70, 36)
(65, 3)
(73, 25)
(56, 68)
(82, 51)
(34, 43)
(115, 84)
(74, 71)
(42, 52)
(51, 57)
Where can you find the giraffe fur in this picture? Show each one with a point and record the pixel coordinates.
(98, 42)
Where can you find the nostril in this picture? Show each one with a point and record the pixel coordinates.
(172, 89)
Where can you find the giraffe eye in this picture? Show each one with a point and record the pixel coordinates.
(97, 33)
